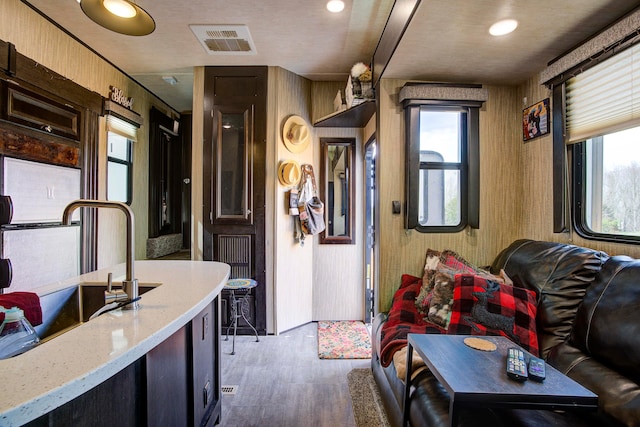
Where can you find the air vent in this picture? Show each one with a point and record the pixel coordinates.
(224, 39)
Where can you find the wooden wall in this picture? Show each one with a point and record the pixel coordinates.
(501, 203)
(516, 189)
(292, 264)
(338, 270)
(537, 189)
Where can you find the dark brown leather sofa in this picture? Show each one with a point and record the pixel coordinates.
(588, 325)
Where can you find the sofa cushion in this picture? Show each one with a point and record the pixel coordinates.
(607, 324)
(559, 275)
(485, 307)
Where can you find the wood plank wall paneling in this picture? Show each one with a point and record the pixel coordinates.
(402, 251)
(338, 270)
(293, 264)
(322, 96)
(537, 205)
(197, 192)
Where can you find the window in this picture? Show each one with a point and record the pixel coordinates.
(119, 168)
(121, 134)
(602, 129)
(442, 142)
(442, 167)
(607, 186)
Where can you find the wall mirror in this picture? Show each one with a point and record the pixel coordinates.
(337, 189)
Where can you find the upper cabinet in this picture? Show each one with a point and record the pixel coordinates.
(31, 109)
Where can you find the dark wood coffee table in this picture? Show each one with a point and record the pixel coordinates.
(475, 378)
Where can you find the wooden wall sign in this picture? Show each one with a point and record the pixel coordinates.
(118, 96)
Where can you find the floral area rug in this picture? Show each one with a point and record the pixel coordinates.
(344, 339)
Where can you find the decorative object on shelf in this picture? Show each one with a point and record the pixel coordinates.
(295, 134)
(289, 173)
(338, 102)
(535, 120)
(359, 87)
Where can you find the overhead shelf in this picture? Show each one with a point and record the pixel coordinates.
(355, 117)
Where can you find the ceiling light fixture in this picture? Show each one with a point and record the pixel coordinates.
(121, 16)
(503, 27)
(335, 6)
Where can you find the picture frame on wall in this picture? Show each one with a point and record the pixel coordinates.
(536, 120)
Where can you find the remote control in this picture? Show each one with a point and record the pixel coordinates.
(516, 366)
(536, 369)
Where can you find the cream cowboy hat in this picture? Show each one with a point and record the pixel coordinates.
(289, 173)
(295, 134)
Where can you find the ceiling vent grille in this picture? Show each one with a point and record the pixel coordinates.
(224, 39)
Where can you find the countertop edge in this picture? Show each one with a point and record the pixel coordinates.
(145, 329)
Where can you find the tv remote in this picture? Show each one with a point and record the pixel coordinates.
(516, 365)
(537, 369)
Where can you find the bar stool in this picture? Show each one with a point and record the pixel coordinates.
(239, 306)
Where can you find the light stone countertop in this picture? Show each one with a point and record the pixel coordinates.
(57, 371)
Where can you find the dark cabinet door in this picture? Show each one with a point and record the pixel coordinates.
(205, 336)
(167, 394)
(234, 170)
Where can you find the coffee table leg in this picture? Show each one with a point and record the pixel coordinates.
(407, 387)
(453, 413)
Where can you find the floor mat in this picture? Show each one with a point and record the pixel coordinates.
(343, 339)
(368, 409)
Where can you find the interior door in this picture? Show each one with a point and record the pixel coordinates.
(234, 184)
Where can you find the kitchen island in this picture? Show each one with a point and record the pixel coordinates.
(127, 359)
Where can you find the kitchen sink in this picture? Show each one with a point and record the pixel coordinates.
(67, 308)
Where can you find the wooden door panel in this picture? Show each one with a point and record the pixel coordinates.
(234, 169)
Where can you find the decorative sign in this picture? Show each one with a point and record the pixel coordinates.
(118, 96)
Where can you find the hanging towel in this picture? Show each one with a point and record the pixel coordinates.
(28, 302)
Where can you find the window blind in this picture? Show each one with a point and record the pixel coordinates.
(605, 98)
(122, 127)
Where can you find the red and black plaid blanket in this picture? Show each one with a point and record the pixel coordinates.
(403, 319)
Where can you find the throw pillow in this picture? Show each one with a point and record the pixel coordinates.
(447, 262)
(430, 265)
(436, 294)
(486, 307)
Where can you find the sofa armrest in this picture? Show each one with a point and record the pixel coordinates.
(618, 396)
(376, 331)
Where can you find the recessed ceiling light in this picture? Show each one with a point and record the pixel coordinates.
(335, 6)
(503, 27)
(120, 8)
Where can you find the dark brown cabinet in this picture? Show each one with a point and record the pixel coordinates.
(167, 382)
(205, 366)
(34, 110)
(176, 384)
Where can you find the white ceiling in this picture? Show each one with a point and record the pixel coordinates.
(446, 41)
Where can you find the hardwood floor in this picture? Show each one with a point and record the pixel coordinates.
(282, 382)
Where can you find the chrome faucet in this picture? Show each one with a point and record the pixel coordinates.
(130, 284)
